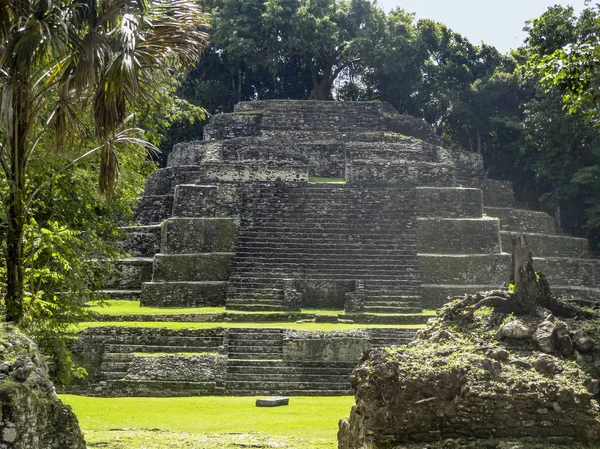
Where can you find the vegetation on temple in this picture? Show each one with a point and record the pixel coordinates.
(73, 75)
(475, 97)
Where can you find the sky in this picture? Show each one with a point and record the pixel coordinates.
(497, 23)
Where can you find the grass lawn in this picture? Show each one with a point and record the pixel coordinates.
(115, 307)
(208, 422)
(127, 307)
(296, 326)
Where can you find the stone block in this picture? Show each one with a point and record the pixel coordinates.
(192, 267)
(458, 236)
(184, 294)
(179, 367)
(563, 271)
(322, 116)
(164, 180)
(199, 235)
(252, 172)
(130, 273)
(469, 167)
(520, 220)
(475, 269)
(449, 202)
(408, 174)
(328, 348)
(141, 241)
(544, 245)
(497, 193)
(274, 401)
(230, 126)
(216, 200)
(153, 209)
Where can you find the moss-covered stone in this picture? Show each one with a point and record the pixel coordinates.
(31, 415)
(477, 374)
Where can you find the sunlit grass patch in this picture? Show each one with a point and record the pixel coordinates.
(208, 422)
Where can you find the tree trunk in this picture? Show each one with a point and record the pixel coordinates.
(14, 258)
(320, 89)
(532, 291)
(16, 213)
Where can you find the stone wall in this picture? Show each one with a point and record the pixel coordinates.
(325, 346)
(405, 174)
(199, 235)
(322, 116)
(229, 126)
(458, 236)
(179, 368)
(449, 202)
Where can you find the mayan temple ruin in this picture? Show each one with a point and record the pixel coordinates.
(286, 206)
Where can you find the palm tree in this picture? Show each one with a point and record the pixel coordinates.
(64, 64)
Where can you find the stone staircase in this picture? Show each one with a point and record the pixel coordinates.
(278, 377)
(230, 361)
(327, 234)
(262, 344)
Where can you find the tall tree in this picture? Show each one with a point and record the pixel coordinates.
(58, 56)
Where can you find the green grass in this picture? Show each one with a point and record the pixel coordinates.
(125, 307)
(130, 308)
(317, 180)
(296, 326)
(208, 422)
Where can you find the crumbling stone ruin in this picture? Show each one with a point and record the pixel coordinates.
(243, 219)
(31, 414)
(478, 377)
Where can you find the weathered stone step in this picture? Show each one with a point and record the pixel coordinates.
(249, 330)
(113, 375)
(247, 277)
(291, 392)
(156, 388)
(192, 267)
(125, 294)
(158, 348)
(184, 294)
(261, 355)
(335, 379)
(520, 220)
(287, 250)
(154, 209)
(343, 268)
(392, 309)
(108, 366)
(129, 274)
(240, 343)
(569, 271)
(248, 306)
(117, 357)
(291, 363)
(141, 241)
(235, 368)
(265, 385)
(544, 245)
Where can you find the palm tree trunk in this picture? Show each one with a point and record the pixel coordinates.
(14, 235)
(14, 258)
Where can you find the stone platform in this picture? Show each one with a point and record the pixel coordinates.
(234, 220)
